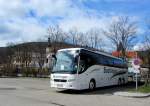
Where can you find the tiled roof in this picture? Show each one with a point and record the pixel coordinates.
(129, 54)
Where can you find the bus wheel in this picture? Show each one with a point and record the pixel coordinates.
(123, 81)
(92, 84)
(119, 81)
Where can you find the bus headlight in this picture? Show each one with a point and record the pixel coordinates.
(71, 80)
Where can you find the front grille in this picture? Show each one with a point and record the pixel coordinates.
(60, 80)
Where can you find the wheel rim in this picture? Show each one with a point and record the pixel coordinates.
(123, 81)
(92, 85)
(119, 82)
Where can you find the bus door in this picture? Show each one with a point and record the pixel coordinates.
(82, 67)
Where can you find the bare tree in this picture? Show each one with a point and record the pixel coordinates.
(94, 38)
(147, 42)
(90, 38)
(41, 55)
(56, 34)
(81, 39)
(147, 37)
(74, 36)
(9, 51)
(77, 38)
(122, 32)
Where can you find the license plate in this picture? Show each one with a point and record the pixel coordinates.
(59, 85)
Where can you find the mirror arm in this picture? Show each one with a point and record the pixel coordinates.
(78, 65)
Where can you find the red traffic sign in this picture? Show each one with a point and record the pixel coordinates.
(136, 61)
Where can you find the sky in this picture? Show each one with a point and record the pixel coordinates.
(28, 20)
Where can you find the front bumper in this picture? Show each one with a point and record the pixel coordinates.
(64, 85)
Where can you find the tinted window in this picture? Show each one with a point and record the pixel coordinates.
(96, 59)
(86, 61)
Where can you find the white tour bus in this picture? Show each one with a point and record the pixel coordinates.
(79, 68)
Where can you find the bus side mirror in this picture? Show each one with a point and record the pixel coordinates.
(54, 56)
(76, 59)
(53, 60)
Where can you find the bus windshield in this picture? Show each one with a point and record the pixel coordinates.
(65, 63)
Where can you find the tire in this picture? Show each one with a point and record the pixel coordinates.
(119, 82)
(92, 85)
(123, 81)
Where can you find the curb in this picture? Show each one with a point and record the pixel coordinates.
(132, 94)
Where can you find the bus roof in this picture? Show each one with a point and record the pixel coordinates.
(70, 49)
(97, 52)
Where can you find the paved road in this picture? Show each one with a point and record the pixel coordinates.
(36, 92)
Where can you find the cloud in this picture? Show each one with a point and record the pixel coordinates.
(12, 9)
(21, 30)
(112, 1)
(27, 20)
(50, 7)
(83, 23)
(139, 47)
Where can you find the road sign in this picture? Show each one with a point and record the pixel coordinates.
(136, 61)
(136, 64)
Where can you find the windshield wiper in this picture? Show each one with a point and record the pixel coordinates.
(59, 71)
(72, 72)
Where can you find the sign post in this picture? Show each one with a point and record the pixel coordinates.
(136, 65)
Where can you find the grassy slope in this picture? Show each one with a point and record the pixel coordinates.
(142, 89)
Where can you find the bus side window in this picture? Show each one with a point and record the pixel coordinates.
(104, 62)
(82, 63)
(85, 62)
(90, 60)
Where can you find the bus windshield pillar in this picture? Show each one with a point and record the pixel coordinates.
(78, 65)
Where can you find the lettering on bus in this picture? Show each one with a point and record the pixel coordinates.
(108, 70)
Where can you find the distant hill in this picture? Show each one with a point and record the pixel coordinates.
(3, 54)
(40, 46)
(29, 47)
(6, 52)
